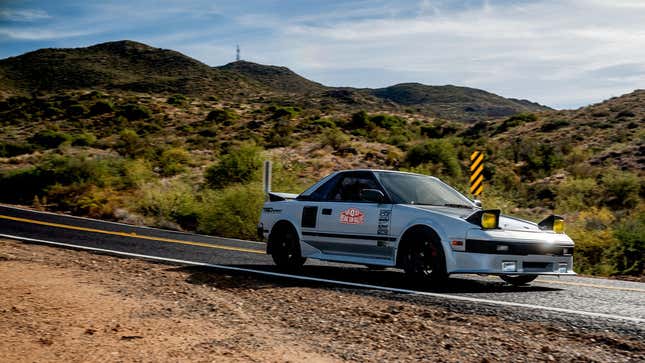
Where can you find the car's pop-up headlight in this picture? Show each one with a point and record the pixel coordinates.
(487, 219)
(552, 223)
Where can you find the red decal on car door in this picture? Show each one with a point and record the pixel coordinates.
(352, 216)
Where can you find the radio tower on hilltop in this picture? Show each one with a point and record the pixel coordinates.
(237, 53)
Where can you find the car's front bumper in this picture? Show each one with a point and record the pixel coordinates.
(485, 263)
(525, 252)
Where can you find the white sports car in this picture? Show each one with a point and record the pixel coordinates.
(416, 222)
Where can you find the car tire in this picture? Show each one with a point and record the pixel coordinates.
(423, 258)
(285, 249)
(518, 280)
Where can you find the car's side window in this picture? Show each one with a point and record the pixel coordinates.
(348, 187)
(321, 193)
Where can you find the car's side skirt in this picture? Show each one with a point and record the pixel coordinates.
(335, 248)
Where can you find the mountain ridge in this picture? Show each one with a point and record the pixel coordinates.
(132, 66)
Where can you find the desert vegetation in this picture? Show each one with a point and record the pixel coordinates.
(191, 160)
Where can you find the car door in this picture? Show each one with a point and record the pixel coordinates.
(350, 226)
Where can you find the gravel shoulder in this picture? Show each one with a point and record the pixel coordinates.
(67, 305)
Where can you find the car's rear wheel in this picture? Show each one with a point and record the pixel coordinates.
(285, 249)
(518, 280)
(423, 257)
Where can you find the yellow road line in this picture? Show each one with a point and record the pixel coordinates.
(132, 235)
(590, 285)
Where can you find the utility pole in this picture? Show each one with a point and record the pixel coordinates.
(237, 55)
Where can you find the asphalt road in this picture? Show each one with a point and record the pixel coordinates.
(578, 301)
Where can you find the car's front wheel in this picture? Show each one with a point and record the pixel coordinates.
(423, 257)
(285, 249)
(518, 280)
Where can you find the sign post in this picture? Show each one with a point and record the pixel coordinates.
(476, 169)
(266, 176)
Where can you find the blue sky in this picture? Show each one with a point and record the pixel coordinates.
(564, 54)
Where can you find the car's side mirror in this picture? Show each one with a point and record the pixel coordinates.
(372, 195)
(477, 202)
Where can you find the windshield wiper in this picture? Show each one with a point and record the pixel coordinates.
(458, 205)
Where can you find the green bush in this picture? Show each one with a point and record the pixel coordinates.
(49, 139)
(360, 120)
(437, 131)
(554, 125)
(324, 123)
(594, 239)
(398, 140)
(576, 194)
(282, 112)
(241, 165)
(134, 112)
(176, 100)
(281, 134)
(171, 201)
(628, 256)
(232, 212)
(173, 161)
(136, 172)
(76, 110)
(622, 188)
(438, 151)
(130, 144)
(101, 107)
(83, 199)
(539, 158)
(9, 149)
(57, 169)
(515, 121)
(84, 139)
(387, 121)
(220, 116)
(334, 138)
(625, 114)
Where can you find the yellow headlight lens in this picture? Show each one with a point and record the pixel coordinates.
(558, 226)
(489, 220)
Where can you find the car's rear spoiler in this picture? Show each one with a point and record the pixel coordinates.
(276, 197)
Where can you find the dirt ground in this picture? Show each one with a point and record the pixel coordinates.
(64, 305)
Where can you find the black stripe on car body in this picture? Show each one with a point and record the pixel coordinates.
(349, 236)
(517, 248)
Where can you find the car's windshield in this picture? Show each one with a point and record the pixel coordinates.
(421, 189)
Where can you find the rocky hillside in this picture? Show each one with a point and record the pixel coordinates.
(131, 66)
(455, 103)
(280, 79)
(122, 65)
(608, 133)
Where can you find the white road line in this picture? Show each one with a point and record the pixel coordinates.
(130, 225)
(337, 282)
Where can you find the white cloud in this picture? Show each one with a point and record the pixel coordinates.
(554, 46)
(42, 33)
(26, 15)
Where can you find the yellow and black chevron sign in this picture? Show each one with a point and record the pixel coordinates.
(476, 169)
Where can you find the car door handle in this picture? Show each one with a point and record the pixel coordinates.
(326, 211)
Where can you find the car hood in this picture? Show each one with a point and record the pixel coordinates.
(505, 222)
(453, 212)
(516, 224)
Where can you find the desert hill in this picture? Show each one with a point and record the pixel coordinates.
(132, 66)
